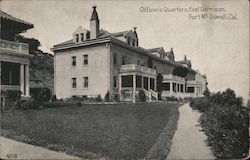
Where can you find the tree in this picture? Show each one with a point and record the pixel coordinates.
(206, 92)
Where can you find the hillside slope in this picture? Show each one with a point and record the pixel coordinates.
(42, 70)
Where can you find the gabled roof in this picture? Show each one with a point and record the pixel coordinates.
(117, 34)
(4, 15)
(154, 49)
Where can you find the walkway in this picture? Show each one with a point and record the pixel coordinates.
(188, 141)
(11, 149)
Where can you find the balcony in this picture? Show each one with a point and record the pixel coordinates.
(21, 48)
(137, 68)
(173, 77)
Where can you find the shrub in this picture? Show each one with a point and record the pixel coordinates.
(13, 95)
(99, 98)
(41, 94)
(141, 96)
(225, 122)
(107, 99)
(44, 95)
(206, 92)
(30, 104)
(53, 98)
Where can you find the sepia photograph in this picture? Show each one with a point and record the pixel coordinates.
(125, 79)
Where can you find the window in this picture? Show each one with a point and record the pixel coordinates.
(123, 60)
(85, 59)
(166, 86)
(129, 40)
(138, 81)
(73, 82)
(73, 60)
(138, 62)
(127, 81)
(115, 59)
(133, 42)
(82, 37)
(85, 82)
(77, 37)
(115, 82)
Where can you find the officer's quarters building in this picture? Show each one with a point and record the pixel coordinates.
(97, 61)
(14, 56)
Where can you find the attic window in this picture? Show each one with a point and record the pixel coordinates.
(129, 40)
(82, 37)
(77, 38)
(133, 42)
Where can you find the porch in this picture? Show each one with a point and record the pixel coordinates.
(173, 85)
(15, 76)
(134, 80)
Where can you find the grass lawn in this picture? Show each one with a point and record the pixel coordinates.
(125, 131)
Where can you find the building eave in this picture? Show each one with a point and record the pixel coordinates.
(82, 44)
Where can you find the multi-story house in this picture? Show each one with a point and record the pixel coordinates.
(96, 61)
(14, 56)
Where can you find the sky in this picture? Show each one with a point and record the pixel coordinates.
(218, 48)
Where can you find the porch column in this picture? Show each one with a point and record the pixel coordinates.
(155, 84)
(134, 87)
(171, 88)
(120, 86)
(149, 83)
(142, 82)
(22, 78)
(27, 80)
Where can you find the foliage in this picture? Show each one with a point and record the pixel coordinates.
(30, 104)
(13, 94)
(53, 98)
(141, 96)
(40, 94)
(206, 92)
(107, 99)
(99, 98)
(225, 122)
(33, 43)
(44, 95)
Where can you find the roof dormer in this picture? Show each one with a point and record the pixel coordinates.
(132, 38)
(81, 35)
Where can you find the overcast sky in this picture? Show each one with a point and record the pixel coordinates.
(218, 48)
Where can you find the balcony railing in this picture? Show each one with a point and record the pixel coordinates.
(16, 47)
(137, 68)
(173, 77)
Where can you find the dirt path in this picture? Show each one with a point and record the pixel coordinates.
(188, 141)
(11, 149)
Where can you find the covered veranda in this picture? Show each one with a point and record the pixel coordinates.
(134, 79)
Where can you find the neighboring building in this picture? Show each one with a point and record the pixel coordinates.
(97, 61)
(14, 56)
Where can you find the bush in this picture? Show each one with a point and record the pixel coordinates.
(107, 99)
(13, 95)
(44, 95)
(41, 94)
(225, 122)
(206, 93)
(30, 104)
(99, 98)
(53, 98)
(142, 96)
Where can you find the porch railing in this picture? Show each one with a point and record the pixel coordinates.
(173, 77)
(138, 68)
(21, 48)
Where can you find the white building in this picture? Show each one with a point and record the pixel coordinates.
(14, 56)
(96, 62)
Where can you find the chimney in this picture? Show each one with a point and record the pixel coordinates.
(94, 24)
